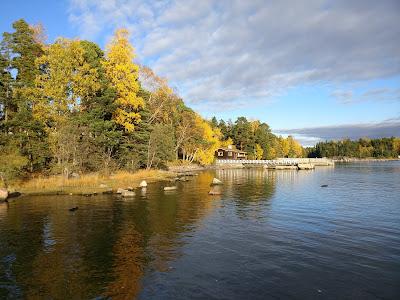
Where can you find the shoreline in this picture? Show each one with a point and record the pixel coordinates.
(87, 184)
(354, 159)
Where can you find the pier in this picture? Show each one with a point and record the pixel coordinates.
(280, 163)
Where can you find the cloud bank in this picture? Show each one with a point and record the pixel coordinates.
(233, 51)
(310, 136)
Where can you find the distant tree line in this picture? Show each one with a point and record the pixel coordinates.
(70, 107)
(362, 148)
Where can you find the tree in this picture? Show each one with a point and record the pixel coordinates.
(258, 152)
(161, 145)
(19, 50)
(211, 141)
(161, 100)
(123, 75)
(243, 135)
(6, 80)
(65, 80)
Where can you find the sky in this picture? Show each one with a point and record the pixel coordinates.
(315, 69)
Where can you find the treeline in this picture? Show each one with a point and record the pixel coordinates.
(70, 107)
(257, 139)
(362, 148)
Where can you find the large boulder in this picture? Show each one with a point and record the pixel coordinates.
(170, 188)
(216, 181)
(3, 194)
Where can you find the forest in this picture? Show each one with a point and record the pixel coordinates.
(362, 148)
(70, 106)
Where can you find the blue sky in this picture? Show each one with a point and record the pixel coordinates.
(295, 65)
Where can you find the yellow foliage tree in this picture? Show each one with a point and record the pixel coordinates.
(284, 146)
(211, 141)
(162, 101)
(258, 151)
(122, 72)
(295, 149)
(271, 153)
(66, 79)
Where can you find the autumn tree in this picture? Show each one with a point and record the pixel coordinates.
(161, 145)
(122, 73)
(161, 101)
(65, 80)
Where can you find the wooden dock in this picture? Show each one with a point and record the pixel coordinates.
(280, 163)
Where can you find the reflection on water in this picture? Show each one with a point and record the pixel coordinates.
(269, 234)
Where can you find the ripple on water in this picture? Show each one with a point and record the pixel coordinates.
(269, 235)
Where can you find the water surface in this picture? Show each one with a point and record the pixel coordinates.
(271, 234)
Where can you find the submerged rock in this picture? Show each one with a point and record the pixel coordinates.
(170, 188)
(216, 181)
(215, 190)
(126, 194)
(3, 194)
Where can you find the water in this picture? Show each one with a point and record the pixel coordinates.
(272, 234)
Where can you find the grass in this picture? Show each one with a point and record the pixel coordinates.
(90, 183)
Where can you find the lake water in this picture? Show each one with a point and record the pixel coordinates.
(271, 234)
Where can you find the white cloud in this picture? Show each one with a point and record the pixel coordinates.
(377, 94)
(226, 51)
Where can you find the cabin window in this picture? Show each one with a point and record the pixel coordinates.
(220, 153)
(229, 153)
(240, 154)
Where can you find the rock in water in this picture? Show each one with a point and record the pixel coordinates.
(3, 194)
(120, 190)
(215, 190)
(143, 184)
(216, 181)
(305, 166)
(324, 185)
(170, 188)
(74, 208)
(128, 194)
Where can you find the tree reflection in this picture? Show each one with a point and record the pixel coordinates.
(128, 266)
(105, 247)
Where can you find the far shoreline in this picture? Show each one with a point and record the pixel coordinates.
(355, 159)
